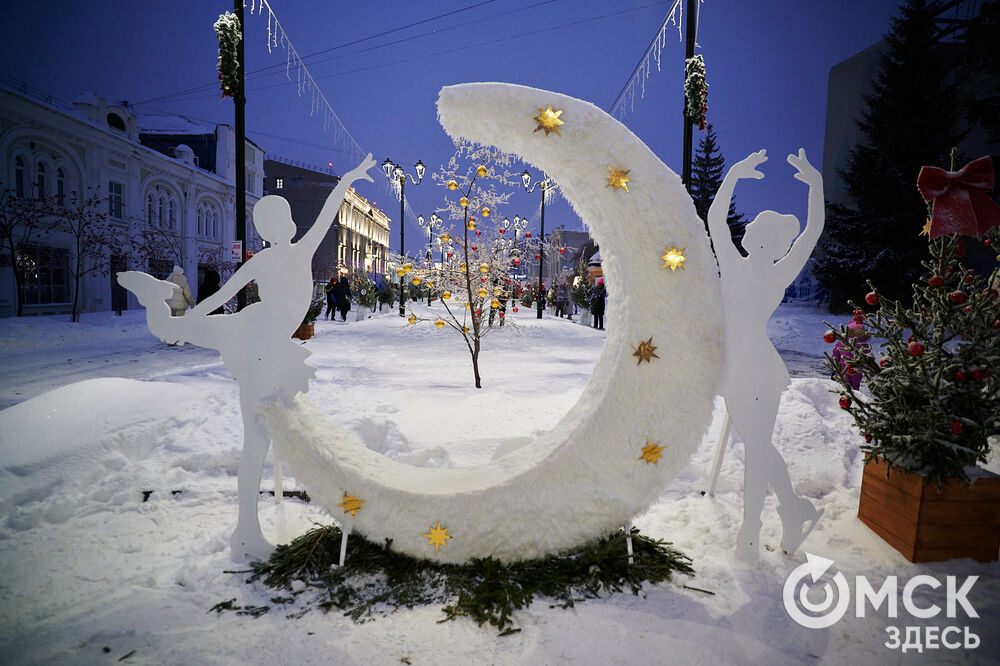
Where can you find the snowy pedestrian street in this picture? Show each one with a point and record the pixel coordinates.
(118, 459)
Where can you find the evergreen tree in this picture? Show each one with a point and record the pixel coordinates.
(912, 118)
(707, 172)
(933, 397)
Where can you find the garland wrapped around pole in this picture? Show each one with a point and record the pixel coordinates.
(695, 91)
(227, 29)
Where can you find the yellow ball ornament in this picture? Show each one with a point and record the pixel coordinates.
(430, 283)
(497, 291)
(463, 202)
(485, 211)
(407, 267)
(412, 319)
(494, 303)
(452, 185)
(484, 268)
(439, 323)
(481, 293)
(416, 279)
(446, 237)
(446, 295)
(400, 272)
(471, 225)
(481, 171)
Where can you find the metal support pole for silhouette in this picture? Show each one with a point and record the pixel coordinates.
(691, 38)
(541, 252)
(720, 452)
(239, 102)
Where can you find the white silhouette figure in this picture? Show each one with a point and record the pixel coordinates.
(255, 343)
(754, 375)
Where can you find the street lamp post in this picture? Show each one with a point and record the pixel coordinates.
(434, 222)
(395, 172)
(546, 185)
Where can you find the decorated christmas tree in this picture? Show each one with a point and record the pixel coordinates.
(933, 394)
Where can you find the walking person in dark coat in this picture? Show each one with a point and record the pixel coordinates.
(209, 285)
(342, 296)
(331, 305)
(598, 296)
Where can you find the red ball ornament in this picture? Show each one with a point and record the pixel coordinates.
(449, 255)
(829, 337)
(517, 262)
(562, 250)
(868, 437)
(871, 298)
(845, 402)
(501, 313)
(478, 232)
(515, 309)
(959, 376)
(502, 230)
(977, 375)
(915, 349)
(968, 308)
(957, 297)
(527, 234)
(987, 242)
(936, 281)
(474, 247)
(483, 280)
(996, 324)
(884, 362)
(956, 426)
(851, 370)
(478, 311)
(538, 256)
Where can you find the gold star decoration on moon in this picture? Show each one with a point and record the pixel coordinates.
(926, 229)
(651, 453)
(437, 537)
(673, 258)
(645, 351)
(548, 120)
(618, 178)
(351, 504)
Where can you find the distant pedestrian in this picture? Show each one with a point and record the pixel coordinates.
(598, 298)
(209, 285)
(331, 304)
(342, 297)
(562, 300)
(182, 298)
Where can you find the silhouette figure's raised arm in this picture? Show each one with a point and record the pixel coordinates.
(311, 240)
(719, 211)
(791, 264)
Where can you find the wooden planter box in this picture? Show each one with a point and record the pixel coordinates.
(304, 331)
(927, 526)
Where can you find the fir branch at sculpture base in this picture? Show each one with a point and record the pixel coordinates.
(227, 29)
(375, 579)
(933, 399)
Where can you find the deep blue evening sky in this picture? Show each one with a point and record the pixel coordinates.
(767, 65)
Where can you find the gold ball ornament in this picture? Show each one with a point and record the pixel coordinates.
(494, 303)
(485, 211)
(452, 185)
(471, 225)
(462, 268)
(430, 283)
(463, 202)
(481, 293)
(481, 171)
(416, 279)
(484, 268)
(400, 272)
(407, 267)
(439, 323)
(446, 237)
(446, 295)
(412, 319)
(466, 304)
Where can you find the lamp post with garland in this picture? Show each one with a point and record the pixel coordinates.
(545, 185)
(395, 172)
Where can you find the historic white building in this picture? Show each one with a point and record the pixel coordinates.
(157, 174)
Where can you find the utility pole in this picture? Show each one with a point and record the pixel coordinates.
(239, 101)
(691, 35)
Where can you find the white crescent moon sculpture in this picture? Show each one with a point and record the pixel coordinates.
(589, 475)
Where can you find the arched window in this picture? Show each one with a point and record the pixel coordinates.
(20, 178)
(173, 214)
(150, 210)
(201, 221)
(215, 224)
(114, 120)
(40, 181)
(60, 186)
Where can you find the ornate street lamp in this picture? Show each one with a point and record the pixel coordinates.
(434, 223)
(395, 172)
(545, 185)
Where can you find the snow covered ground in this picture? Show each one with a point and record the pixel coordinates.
(98, 415)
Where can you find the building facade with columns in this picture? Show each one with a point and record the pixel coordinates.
(160, 177)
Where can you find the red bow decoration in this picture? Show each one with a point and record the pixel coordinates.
(961, 198)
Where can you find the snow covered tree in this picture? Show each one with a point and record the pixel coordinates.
(933, 398)
(707, 172)
(472, 287)
(912, 118)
